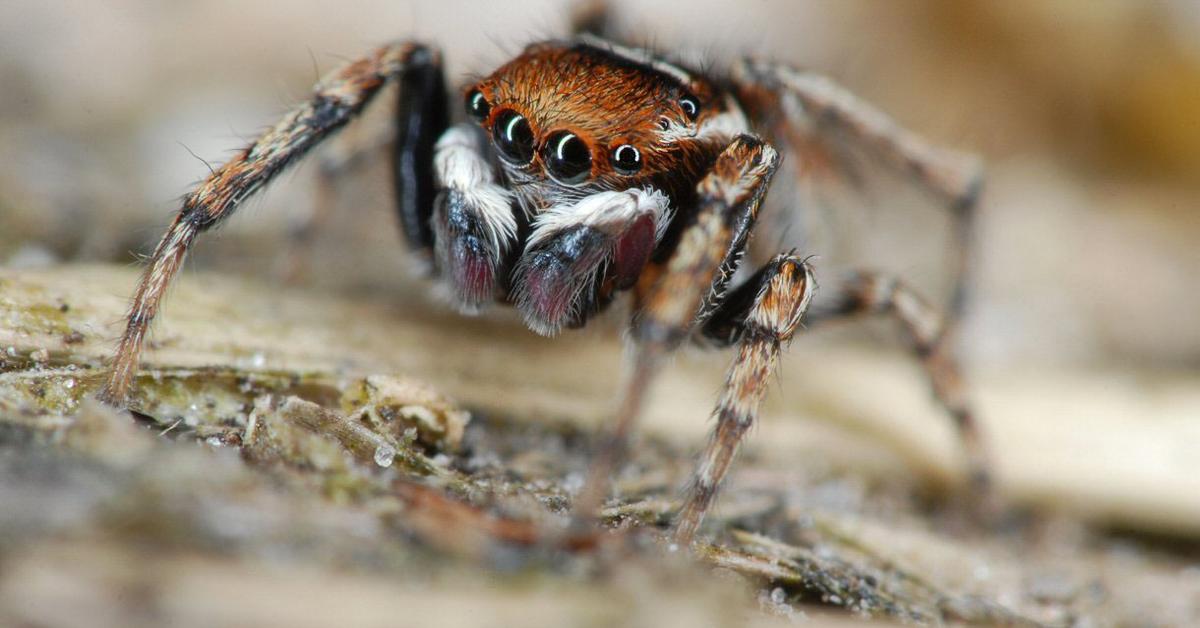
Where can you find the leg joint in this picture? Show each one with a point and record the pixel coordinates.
(784, 297)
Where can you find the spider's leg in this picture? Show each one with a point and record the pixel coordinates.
(761, 314)
(422, 116)
(336, 100)
(673, 296)
(474, 224)
(800, 103)
(869, 292)
(592, 17)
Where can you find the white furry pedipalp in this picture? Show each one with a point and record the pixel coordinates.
(609, 212)
(460, 164)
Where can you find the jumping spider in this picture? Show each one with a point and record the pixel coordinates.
(586, 169)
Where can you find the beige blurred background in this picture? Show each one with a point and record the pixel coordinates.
(1088, 114)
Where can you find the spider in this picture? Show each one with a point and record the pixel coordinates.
(585, 170)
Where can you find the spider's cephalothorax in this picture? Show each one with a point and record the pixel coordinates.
(598, 146)
(584, 168)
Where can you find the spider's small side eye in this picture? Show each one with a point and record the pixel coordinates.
(627, 159)
(513, 137)
(477, 105)
(567, 157)
(690, 106)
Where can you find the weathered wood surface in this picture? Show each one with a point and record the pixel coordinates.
(829, 506)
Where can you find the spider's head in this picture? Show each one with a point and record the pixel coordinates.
(600, 145)
(577, 117)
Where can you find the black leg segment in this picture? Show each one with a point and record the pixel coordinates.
(422, 115)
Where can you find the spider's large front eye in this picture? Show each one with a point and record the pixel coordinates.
(513, 137)
(477, 105)
(691, 106)
(627, 159)
(567, 157)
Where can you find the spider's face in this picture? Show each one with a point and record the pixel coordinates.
(601, 146)
(574, 118)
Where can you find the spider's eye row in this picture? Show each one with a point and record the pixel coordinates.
(477, 105)
(567, 157)
(627, 159)
(513, 137)
(690, 106)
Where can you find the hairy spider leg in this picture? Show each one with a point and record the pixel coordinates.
(593, 17)
(877, 293)
(671, 297)
(337, 99)
(761, 315)
(820, 105)
(954, 176)
(422, 116)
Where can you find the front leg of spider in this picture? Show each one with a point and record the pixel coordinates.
(694, 277)
(761, 315)
(339, 98)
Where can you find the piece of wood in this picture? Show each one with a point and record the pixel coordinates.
(1116, 447)
(848, 436)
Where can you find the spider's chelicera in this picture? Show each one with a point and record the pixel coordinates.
(584, 170)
